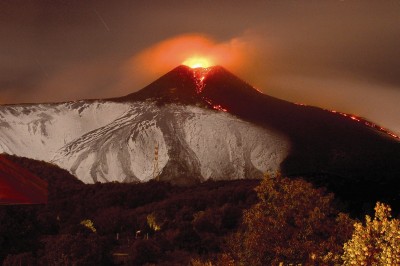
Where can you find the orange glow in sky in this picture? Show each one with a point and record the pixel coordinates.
(198, 61)
(193, 50)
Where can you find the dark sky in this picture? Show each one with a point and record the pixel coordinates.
(341, 55)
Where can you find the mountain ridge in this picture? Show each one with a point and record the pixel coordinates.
(206, 124)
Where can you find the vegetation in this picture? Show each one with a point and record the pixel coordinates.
(293, 222)
(113, 223)
(375, 243)
(89, 225)
(242, 222)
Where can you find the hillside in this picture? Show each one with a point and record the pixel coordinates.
(118, 211)
(20, 186)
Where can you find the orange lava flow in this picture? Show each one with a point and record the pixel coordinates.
(220, 108)
(361, 120)
(199, 75)
(365, 122)
(217, 107)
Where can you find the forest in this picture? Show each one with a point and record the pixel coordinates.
(239, 222)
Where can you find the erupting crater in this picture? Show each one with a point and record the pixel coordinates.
(198, 62)
(200, 66)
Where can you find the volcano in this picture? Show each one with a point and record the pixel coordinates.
(191, 125)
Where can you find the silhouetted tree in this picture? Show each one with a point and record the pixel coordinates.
(293, 222)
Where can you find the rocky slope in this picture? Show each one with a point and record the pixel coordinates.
(202, 123)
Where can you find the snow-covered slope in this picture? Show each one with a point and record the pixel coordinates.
(107, 141)
(37, 131)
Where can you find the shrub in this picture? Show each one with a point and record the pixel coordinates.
(293, 222)
(375, 243)
(89, 225)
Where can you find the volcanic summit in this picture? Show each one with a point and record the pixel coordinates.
(191, 125)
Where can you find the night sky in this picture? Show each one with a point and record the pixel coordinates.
(341, 55)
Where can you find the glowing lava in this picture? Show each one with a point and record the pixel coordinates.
(367, 123)
(199, 75)
(360, 120)
(198, 62)
(200, 68)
